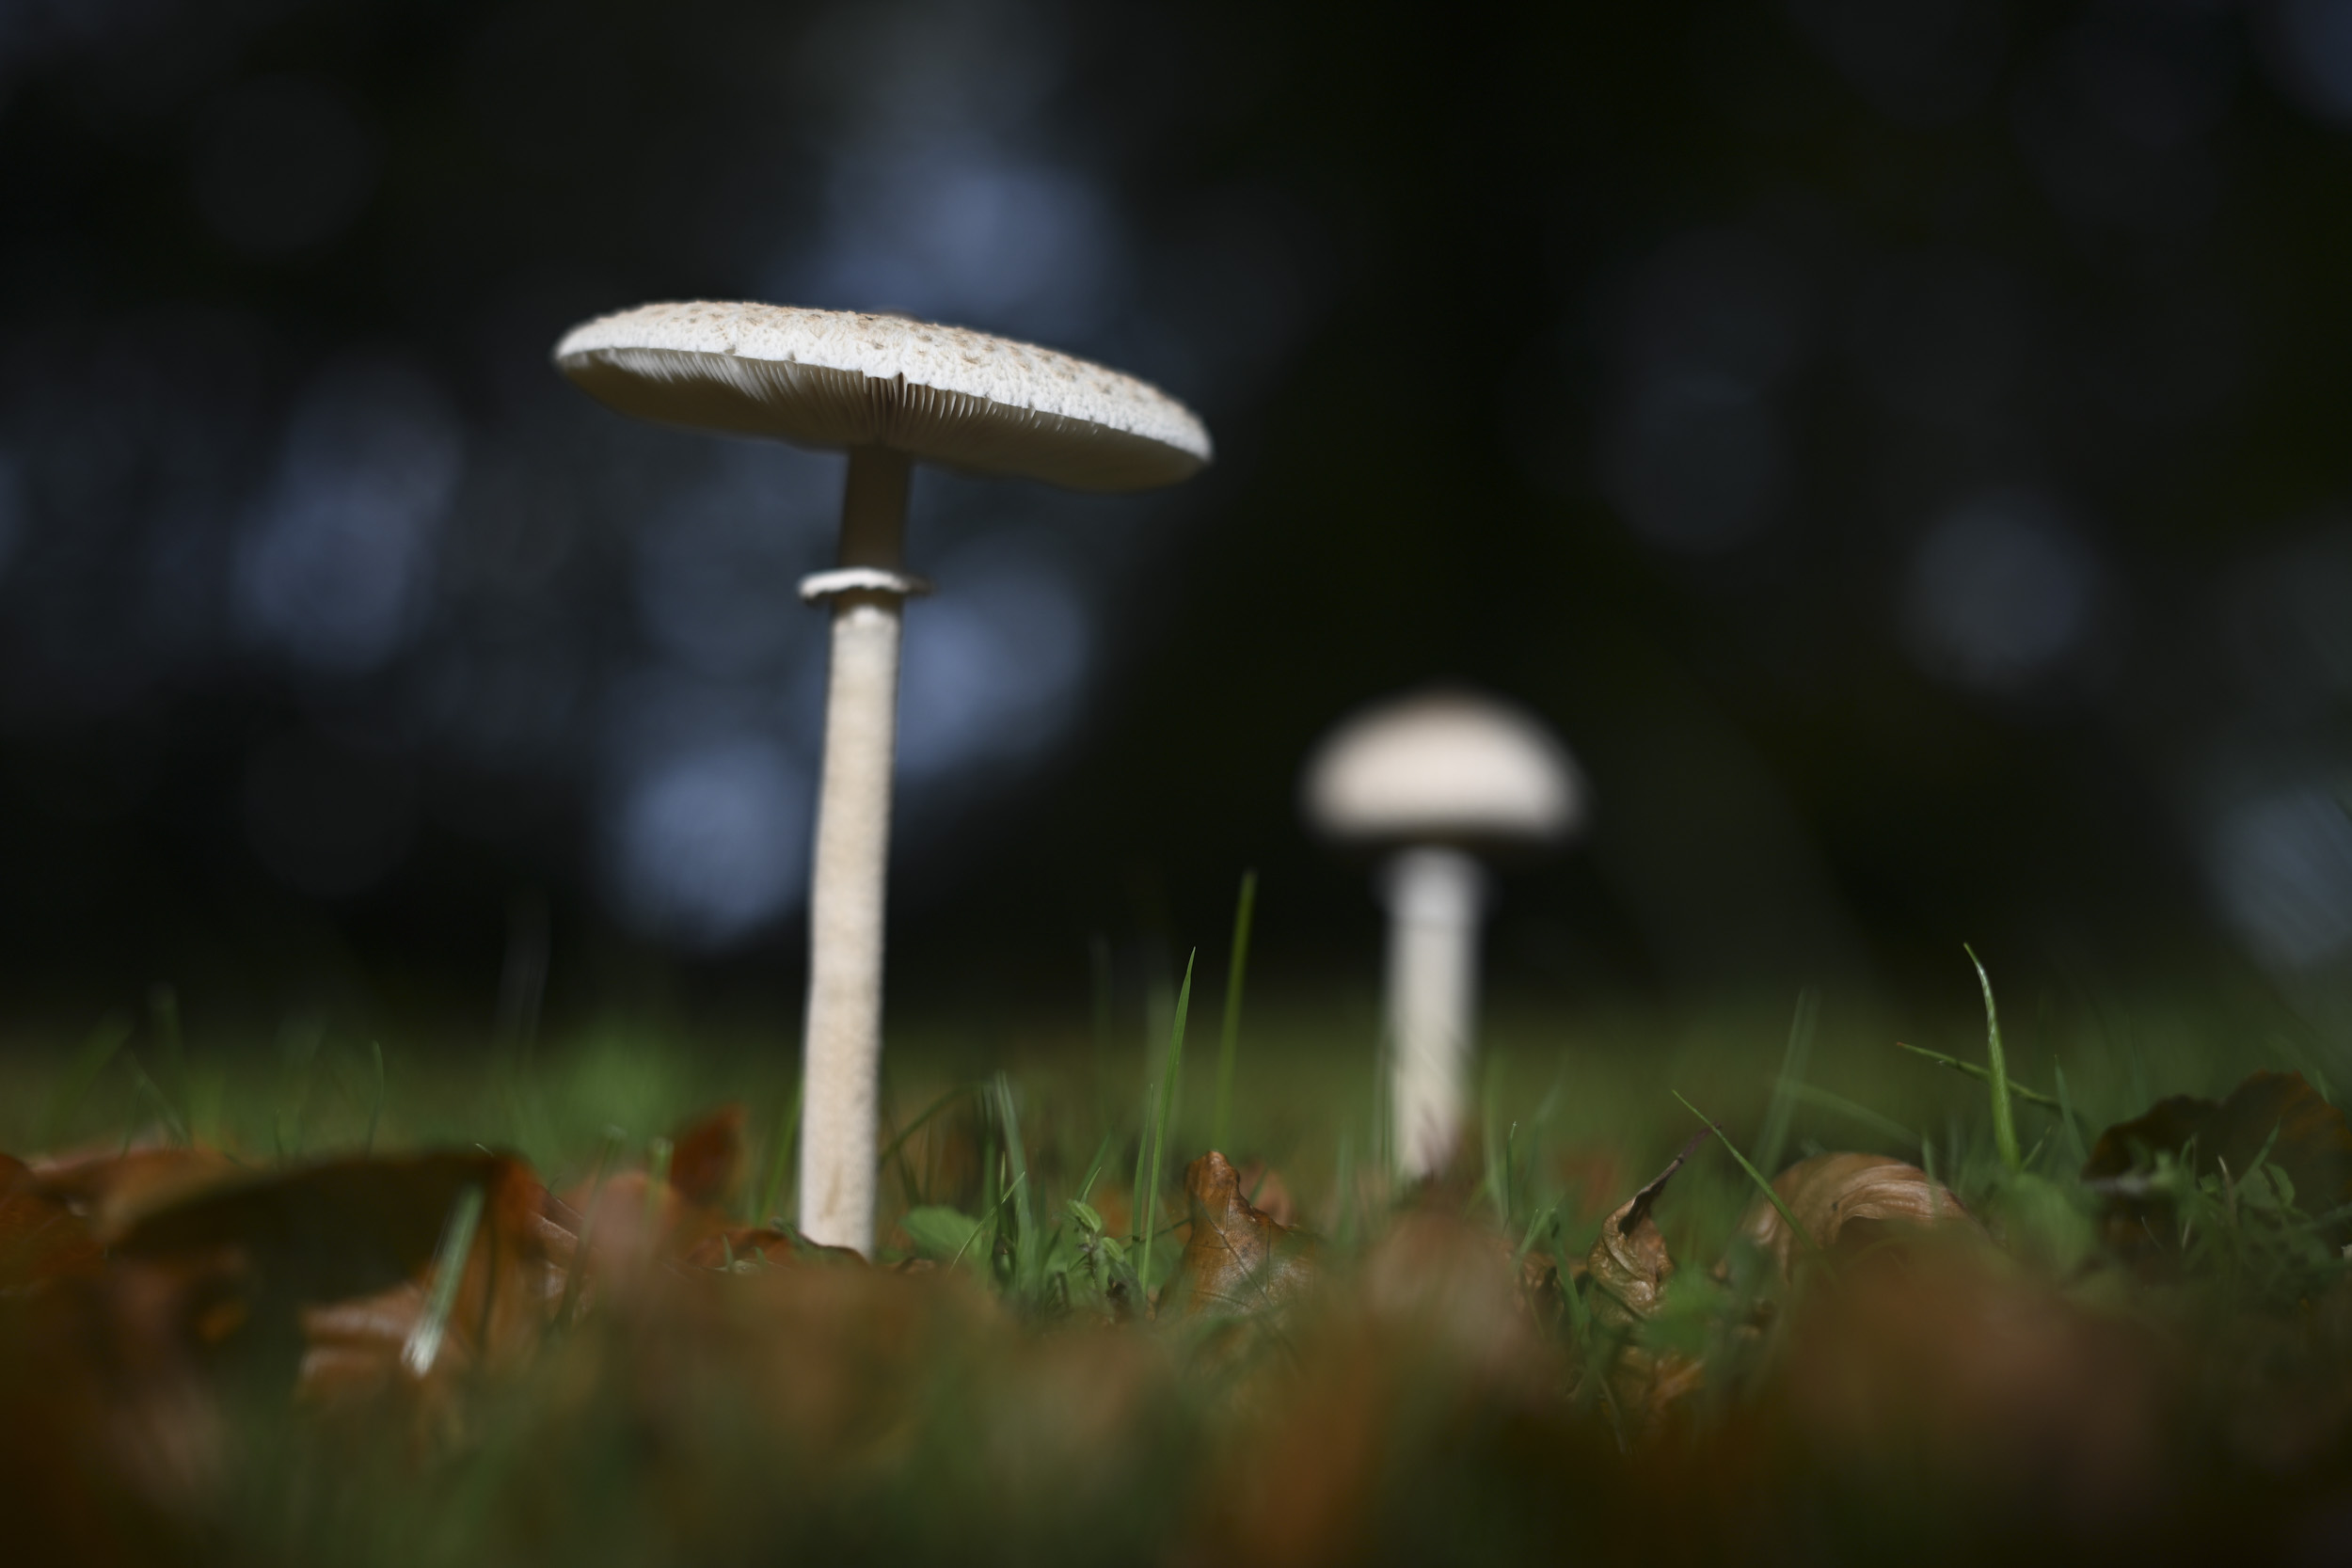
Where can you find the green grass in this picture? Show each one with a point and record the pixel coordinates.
(846, 1415)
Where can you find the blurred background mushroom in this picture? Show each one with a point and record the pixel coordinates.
(1902, 445)
(1434, 785)
(890, 392)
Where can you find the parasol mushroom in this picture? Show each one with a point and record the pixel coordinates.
(891, 392)
(1440, 784)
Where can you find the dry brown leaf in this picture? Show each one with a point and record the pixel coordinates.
(1960, 1368)
(354, 1349)
(762, 1245)
(308, 1279)
(1542, 1292)
(1237, 1259)
(331, 1261)
(1264, 1187)
(351, 1349)
(327, 1230)
(2312, 1145)
(1629, 1271)
(707, 1157)
(1630, 1265)
(1847, 1201)
(1431, 1333)
(40, 1239)
(110, 1188)
(631, 1226)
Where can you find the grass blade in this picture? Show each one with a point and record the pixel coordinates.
(986, 1220)
(2004, 1118)
(608, 1147)
(1229, 1039)
(1885, 1127)
(1754, 1174)
(2066, 1114)
(1982, 1075)
(1147, 1199)
(171, 1053)
(780, 1154)
(376, 1105)
(657, 1155)
(1026, 1258)
(97, 1049)
(1773, 1142)
(1095, 1171)
(1344, 1184)
(913, 1126)
(423, 1346)
(144, 1087)
(1137, 1222)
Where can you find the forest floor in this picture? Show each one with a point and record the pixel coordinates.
(325, 1301)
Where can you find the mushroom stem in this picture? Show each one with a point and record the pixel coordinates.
(842, 1049)
(874, 508)
(1434, 898)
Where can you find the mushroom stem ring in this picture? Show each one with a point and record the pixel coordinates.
(819, 586)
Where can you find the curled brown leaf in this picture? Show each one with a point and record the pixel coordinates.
(1237, 1259)
(1629, 1265)
(1627, 1274)
(1848, 1201)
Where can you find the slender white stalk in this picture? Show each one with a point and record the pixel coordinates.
(847, 881)
(1434, 898)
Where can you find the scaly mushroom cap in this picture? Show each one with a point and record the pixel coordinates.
(841, 379)
(1444, 767)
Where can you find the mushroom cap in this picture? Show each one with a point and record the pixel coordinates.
(1444, 767)
(841, 379)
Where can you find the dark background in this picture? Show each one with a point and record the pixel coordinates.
(1901, 445)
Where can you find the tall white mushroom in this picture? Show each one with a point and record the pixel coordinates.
(890, 392)
(1438, 783)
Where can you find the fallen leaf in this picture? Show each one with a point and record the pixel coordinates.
(1264, 1187)
(1847, 1201)
(323, 1231)
(317, 1274)
(352, 1349)
(1237, 1259)
(1627, 1271)
(629, 1226)
(2312, 1146)
(707, 1157)
(762, 1246)
(40, 1239)
(111, 1187)
(1429, 1334)
(1981, 1376)
(1541, 1289)
(1628, 1264)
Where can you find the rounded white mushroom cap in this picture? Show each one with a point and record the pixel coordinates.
(1444, 767)
(842, 379)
